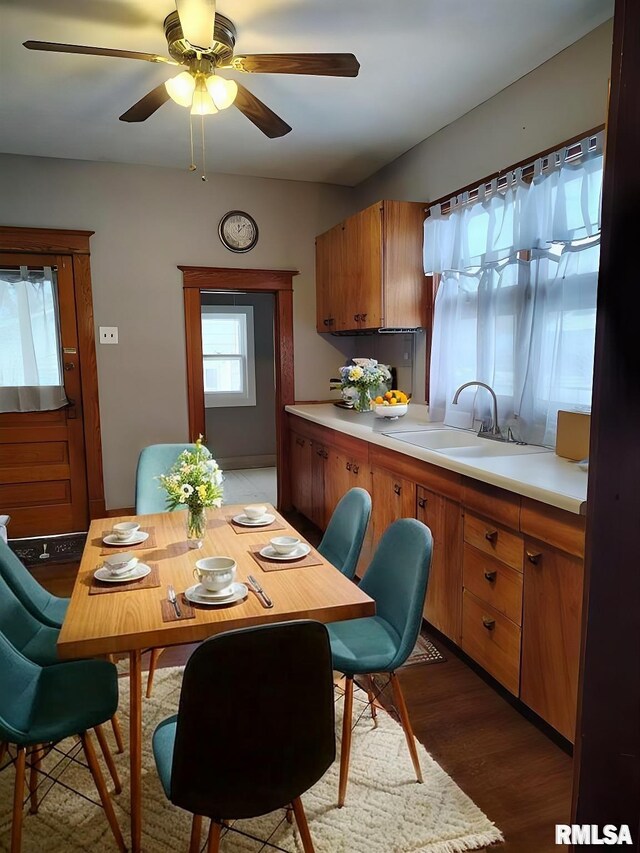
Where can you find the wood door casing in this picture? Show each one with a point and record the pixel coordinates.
(42, 454)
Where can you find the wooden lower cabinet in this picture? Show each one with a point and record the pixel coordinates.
(443, 604)
(551, 629)
(301, 449)
(492, 640)
(392, 497)
(341, 474)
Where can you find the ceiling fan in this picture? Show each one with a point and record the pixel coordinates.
(203, 43)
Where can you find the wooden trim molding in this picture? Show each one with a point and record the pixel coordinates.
(229, 278)
(44, 240)
(278, 282)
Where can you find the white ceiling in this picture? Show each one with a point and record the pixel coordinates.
(424, 63)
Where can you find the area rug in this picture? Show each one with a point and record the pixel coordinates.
(425, 652)
(386, 810)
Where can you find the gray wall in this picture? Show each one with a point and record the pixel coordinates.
(247, 431)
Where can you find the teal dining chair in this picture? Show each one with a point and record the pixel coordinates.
(41, 706)
(342, 542)
(397, 581)
(48, 610)
(154, 460)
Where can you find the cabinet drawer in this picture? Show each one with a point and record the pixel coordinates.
(492, 640)
(493, 583)
(496, 541)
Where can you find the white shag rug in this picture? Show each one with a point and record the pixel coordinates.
(386, 810)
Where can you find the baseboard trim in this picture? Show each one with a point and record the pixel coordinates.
(123, 510)
(230, 463)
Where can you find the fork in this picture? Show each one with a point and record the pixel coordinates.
(171, 595)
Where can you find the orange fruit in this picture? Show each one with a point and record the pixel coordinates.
(379, 399)
(393, 401)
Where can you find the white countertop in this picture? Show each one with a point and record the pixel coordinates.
(540, 475)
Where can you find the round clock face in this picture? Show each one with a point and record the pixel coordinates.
(238, 231)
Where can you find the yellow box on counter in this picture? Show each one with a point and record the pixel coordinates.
(572, 437)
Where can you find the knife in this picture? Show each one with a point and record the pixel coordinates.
(255, 586)
(171, 595)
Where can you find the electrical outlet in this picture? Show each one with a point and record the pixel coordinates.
(108, 334)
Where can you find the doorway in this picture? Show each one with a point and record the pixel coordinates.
(50, 451)
(269, 295)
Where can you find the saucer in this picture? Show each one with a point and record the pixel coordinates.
(136, 539)
(245, 521)
(240, 591)
(140, 570)
(202, 592)
(299, 551)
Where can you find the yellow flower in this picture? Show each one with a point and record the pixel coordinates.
(356, 373)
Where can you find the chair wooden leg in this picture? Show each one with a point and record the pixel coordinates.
(196, 833)
(401, 705)
(18, 797)
(303, 826)
(107, 805)
(371, 695)
(36, 761)
(117, 734)
(345, 748)
(213, 841)
(108, 759)
(153, 663)
(3, 751)
(289, 813)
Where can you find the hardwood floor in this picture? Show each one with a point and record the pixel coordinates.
(509, 768)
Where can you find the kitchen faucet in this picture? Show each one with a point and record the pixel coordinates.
(494, 431)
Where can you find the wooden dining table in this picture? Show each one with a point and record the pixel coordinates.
(131, 621)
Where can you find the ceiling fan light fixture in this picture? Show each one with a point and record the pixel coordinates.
(202, 104)
(197, 19)
(181, 88)
(223, 92)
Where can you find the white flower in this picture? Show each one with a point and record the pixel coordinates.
(356, 373)
(186, 490)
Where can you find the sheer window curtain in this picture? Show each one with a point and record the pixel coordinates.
(516, 303)
(30, 351)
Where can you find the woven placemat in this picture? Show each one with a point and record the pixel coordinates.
(267, 528)
(169, 612)
(151, 581)
(150, 542)
(310, 559)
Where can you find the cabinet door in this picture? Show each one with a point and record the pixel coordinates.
(551, 630)
(319, 457)
(301, 466)
(443, 604)
(392, 498)
(329, 278)
(338, 479)
(365, 236)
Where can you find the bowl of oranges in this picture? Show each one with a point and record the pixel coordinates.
(393, 404)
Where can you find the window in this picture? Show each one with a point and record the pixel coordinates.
(228, 356)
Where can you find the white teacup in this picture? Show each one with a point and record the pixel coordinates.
(119, 564)
(255, 511)
(284, 544)
(216, 574)
(125, 530)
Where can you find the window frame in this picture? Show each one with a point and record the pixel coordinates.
(246, 397)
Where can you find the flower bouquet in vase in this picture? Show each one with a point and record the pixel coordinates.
(194, 482)
(359, 379)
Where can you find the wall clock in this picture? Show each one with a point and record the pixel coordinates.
(238, 231)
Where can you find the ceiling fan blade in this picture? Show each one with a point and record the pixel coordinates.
(260, 114)
(197, 19)
(326, 64)
(96, 51)
(147, 106)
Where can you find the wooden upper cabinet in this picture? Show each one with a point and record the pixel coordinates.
(369, 270)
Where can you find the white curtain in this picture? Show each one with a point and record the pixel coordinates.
(516, 302)
(30, 349)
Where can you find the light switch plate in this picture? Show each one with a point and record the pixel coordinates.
(108, 334)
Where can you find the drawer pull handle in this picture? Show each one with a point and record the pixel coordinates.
(300, 442)
(534, 557)
(397, 489)
(356, 469)
(363, 316)
(491, 576)
(325, 454)
(489, 624)
(356, 317)
(491, 536)
(326, 322)
(348, 466)
(422, 502)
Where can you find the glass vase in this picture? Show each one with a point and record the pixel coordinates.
(196, 526)
(363, 400)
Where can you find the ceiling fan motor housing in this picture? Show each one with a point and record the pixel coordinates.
(222, 45)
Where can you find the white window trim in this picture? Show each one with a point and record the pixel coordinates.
(215, 400)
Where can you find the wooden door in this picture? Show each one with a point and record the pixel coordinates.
(43, 477)
(392, 498)
(443, 605)
(301, 471)
(365, 240)
(551, 628)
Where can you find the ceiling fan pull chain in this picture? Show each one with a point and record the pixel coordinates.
(204, 160)
(192, 165)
